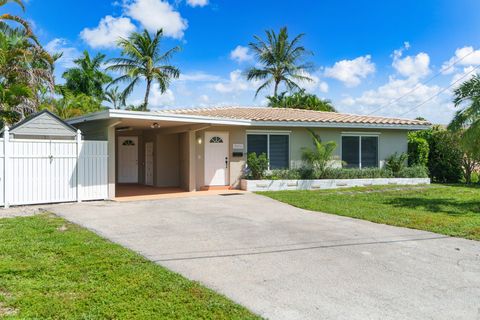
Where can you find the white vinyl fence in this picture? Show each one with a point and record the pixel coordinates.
(34, 171)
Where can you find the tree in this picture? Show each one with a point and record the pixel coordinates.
(281, 60)
(8, 17)
(300, 100)
(114, 96)
(318, 158)
(467, 98)
(26, 72)
(72, 105)
(142, 60)
(87, 77)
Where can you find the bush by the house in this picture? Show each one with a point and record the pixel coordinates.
(285, 174)
(396, 162)
(445, 157)
(354, 173)
(417, 171)
(257, 165)
(418, 149)
(317, 159)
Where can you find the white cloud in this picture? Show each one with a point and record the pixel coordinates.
(323, 86)
(235, 83)
(157, 14)
(199, 76)
(197, 3)
(462, 76)
(466, 56)
(69, 53)
(108, 31)
(159, 99)
(398, 96)
(351, 72)
(411, 66)
(204, 98)
(241, 54)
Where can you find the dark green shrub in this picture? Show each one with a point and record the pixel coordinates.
(413, 172)
(418, 150)
(257, 166)
(353, 173)
(396, 163)
(286, 174)
(445, 157)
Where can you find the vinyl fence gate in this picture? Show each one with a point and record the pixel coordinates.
(35, 171)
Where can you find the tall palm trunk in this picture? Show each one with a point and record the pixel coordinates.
(275, 89)
(147, 94)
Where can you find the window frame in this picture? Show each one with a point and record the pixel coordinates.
(359, 135)
(269, 133)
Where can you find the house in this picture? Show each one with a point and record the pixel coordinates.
(195, 149)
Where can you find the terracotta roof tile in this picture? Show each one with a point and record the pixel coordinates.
(293, 115)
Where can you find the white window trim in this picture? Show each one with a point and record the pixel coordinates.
(269, 133)
(360, 135)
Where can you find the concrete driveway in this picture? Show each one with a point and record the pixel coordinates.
(286, 263)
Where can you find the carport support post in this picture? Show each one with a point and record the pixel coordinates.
(6, 167)
(79, 164)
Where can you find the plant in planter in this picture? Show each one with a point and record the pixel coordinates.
(317, 159)
(257, 166)
(396, 163)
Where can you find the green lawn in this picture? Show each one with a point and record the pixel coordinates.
(450, 210)
(51, 269)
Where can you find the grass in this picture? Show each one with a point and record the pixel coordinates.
(451, 210)
(51, 269)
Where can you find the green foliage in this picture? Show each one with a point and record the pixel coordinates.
(396, 163)
(356, 173)
(418, 150)
(284, 174)
(445, 157)
(87, 77)
(318, 158)
(257, 165)
(141, 59)
(72, 105)
(115, 97)
(281, 61)
(467, 98)
(300, 100)
(416, 171)
(470, 145)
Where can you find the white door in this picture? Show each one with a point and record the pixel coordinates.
(128, 159)
(216, 158)
(149, 163)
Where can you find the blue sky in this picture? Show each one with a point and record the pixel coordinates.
(370, 56)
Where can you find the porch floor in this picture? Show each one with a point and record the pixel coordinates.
(138, 192)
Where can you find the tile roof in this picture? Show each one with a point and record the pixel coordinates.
(293, 115)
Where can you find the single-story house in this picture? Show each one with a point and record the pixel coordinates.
(203, 148)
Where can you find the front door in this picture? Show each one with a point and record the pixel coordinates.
(128, 159)
(149, 163)
(216, 158)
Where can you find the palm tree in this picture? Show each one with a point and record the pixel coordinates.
(282, 61)
(141, 59)
(115, 97)
(24, 23)
(467, 97)
(87, 77)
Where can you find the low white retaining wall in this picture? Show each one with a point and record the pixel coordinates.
(278, 185)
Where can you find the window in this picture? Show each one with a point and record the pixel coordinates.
(128, 143)
(360, 151)
(275, 146)
(216, 140)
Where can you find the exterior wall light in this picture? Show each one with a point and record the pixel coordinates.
(199, 140)
(155, 125)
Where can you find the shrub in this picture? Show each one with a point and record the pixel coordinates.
(417, 171)
(257, 166)
(317, 159)
(418, 150)
(354, 173)
(396, 163)
(285, 174)
(445, 157)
